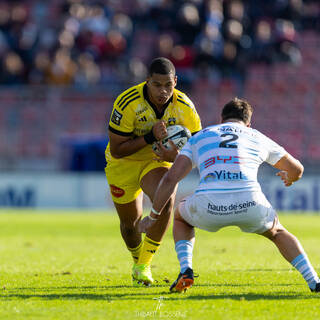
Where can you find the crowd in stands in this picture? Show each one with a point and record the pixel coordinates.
(265, 51)
(82, 42)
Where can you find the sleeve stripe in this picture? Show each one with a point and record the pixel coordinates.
(180, 96)
(134, 89)
(184, 103)
(135, 98)
(126, 99)
(120, 133)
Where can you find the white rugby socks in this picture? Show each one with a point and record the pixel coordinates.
(184, 250)
(303, 265)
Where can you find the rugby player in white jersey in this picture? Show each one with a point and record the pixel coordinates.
(228, 156)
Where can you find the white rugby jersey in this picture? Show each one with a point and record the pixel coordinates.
(228, 156)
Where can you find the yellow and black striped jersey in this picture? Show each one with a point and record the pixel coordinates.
(133, 115)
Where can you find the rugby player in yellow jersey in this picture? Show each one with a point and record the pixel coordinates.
(140, 117)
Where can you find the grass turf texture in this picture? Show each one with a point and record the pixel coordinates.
(76, 266)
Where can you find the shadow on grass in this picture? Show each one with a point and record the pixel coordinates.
(133, 294)
(151, 296)
(154, 286)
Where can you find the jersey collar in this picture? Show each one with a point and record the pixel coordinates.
(153, 106)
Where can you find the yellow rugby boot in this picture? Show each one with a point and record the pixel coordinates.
(141, 274)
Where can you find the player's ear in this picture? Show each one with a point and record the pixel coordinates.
(175, 80)
(249, 125)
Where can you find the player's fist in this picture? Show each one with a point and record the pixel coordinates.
(284, 177)
(165, 154)
(145, 224)
(159, 130)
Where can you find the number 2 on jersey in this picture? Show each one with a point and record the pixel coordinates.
(226, 143)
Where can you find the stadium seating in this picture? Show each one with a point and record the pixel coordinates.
(34, 119)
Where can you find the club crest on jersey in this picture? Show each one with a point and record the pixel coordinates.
(171, 121)
(116, 117)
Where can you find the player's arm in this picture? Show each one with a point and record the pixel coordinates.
(290, 168)
(168, 184)
(124, 145)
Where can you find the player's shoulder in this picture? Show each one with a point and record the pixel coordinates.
(258, 134)
(208, 132)
(132, 95)
(182, 99)
(263, 138)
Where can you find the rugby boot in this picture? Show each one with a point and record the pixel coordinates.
(141, 274)
(183, 282)
(317, 288)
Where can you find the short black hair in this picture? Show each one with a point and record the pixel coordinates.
(161, 65)
(237, 109)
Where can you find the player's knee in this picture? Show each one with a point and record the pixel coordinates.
(177, 215)
(275, 233)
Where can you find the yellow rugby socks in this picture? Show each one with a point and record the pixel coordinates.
(135, 252)
(149, 248)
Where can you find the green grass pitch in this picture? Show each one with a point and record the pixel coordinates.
(75, 266)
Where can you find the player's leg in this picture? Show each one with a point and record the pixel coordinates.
(123, 179)
(152, 240)
(129, 215)
(184, 238)
(292, 250)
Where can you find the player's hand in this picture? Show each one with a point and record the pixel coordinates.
(145, 224)
(284, 177)
(165, 154)
(159, 130)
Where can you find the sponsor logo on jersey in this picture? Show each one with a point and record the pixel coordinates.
(116, 191)
(141, 111)
(223, 175)
(233, 208)
(222, 159)
(116, 117)
(143, 119)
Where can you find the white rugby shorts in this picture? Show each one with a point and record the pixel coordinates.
(250, 211)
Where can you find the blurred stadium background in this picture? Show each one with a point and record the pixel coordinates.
(64, 62)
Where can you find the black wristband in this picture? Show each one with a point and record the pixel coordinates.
(149, 137)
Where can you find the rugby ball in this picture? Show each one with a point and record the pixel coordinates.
(179, 136)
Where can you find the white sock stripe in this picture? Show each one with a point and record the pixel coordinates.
(301, 264)
(184, 252)
(309, 277)
(304, 268)
(185, 259)
(180, 245)
(187, 244)
(308, 270)
(301, 258)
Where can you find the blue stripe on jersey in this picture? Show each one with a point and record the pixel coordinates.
(208, 147)
(203, 135)
(254, 154)
(229, 189)
(187, 150)
(250, 149)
